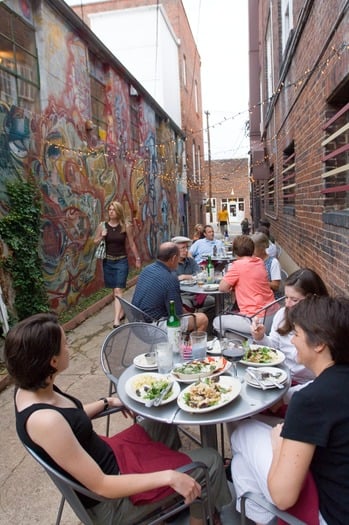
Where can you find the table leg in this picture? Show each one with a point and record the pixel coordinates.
(208, 436)
(219, 306)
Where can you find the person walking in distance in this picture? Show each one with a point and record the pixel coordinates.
(118, 234)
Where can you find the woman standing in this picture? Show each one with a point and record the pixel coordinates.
(115, 266)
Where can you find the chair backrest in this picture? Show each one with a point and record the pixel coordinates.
(68, 489)
(124, 343)
(133, 313)
(260, 500)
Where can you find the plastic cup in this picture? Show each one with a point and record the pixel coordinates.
(164, 357)
(198, 344)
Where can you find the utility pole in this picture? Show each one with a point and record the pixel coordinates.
(209, 168)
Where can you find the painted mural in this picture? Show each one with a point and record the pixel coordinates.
(79, 174)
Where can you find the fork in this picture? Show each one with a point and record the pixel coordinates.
(157, 400)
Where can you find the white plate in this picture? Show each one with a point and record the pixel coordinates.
(188, 282)
(226, 382)
(133, 383)
(141, 362)
(215, 348)
(211, 287)
(272, 370)
(278, 359)
(195, 377)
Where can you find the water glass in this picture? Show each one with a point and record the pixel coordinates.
(199, 344)
(164, 357)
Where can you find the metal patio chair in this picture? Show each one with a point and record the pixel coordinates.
(135, 314)
(70, 491)
(262, 312)
(122, 345)
(262, 502)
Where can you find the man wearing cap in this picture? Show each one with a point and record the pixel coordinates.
(187, 267)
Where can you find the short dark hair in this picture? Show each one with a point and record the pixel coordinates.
(243, 246)
(207, 226)
(29, 348)
(167, 250)
(325, 320)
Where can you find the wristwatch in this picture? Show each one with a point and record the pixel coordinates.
(106, 403)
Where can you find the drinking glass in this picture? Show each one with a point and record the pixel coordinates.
(164, 357)
(200, 279)
(233, 352)
(198, 344)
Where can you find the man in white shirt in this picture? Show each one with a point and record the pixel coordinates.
(203, 247)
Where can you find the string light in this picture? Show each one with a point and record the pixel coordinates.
(166, 151)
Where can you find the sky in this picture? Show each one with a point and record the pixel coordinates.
(220, 29)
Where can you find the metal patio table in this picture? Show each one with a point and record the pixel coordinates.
(251, 401)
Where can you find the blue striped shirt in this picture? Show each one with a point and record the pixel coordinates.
(156, 286)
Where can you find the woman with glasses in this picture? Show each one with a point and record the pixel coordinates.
(298, 286)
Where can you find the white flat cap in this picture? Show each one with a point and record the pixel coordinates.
(179, 239)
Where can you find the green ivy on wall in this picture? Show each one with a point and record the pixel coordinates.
(20, 230)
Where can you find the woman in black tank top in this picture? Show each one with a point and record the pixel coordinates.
(118, 234)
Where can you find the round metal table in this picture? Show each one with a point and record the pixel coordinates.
(251, 401)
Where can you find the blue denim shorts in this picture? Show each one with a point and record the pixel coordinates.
(115, 273)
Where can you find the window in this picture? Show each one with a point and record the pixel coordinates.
(19, 79)
(134, 122)
(184, 71)
(193, 156)
(336, 160)
(98, 96)
(198, 156)
(286, 21)
(269, 60)
(196, 95)
(270, 204)
(289, 179)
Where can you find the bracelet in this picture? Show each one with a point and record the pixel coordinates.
(106, 403)
(138, 258)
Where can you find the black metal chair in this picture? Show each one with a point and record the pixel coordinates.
(70, 490)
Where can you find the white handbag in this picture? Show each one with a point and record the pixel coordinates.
(101, 251)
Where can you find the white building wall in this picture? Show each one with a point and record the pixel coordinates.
(142, 39)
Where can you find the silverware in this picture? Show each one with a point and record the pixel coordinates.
(157, 400)
(271, 378)
(256, 378)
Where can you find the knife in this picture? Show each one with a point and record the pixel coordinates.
(256, 378)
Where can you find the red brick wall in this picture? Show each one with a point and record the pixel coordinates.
(298, 113)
